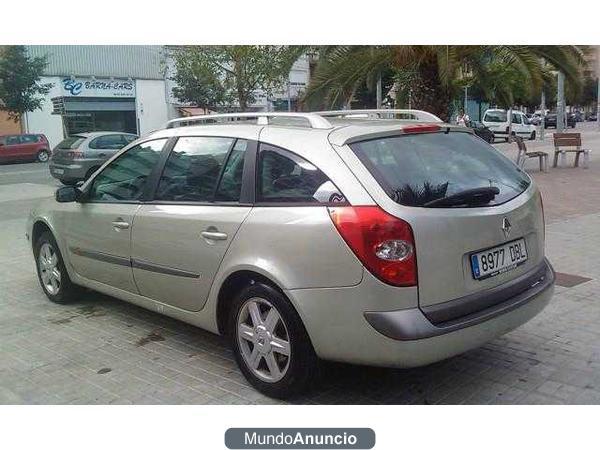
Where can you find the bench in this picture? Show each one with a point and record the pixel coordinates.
(569, 143)
(523, 154)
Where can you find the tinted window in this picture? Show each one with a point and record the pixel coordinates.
(285, 177)
(124, 178)
(29, 139)
(70, 143)
(516, 118)
(108, 142)
(230, 186)
(495, 116)
(420, 168)
(129, 138)
(193, 169)
(12, 140)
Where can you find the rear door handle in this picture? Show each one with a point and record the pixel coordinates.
(214, 235)
(120, 224)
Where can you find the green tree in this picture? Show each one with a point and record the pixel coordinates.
(20, 87)
(229, 76)
(437, 73)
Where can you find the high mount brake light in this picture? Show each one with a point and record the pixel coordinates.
(383, 243)
(421, 128)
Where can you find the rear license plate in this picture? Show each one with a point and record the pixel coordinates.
(497, 260)
(58, 171)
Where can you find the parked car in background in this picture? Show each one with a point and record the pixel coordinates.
(592, 117)
(24, 147)
(482, 131)
(535, 119)
(77, 157)
(551, 118)
(412, 240)
(497, 121)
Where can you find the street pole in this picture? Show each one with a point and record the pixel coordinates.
(543, 121)
(466, 97)
(510, 114)
(560, 104)
(289, 96)
(379, 91)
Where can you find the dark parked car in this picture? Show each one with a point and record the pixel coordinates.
(482, 131)
(551, 121)
(19, 147)
(592, 117)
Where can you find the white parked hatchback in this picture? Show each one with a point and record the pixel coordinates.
(347, 235)
(497, 121)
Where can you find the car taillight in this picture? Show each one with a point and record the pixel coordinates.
(74, 154)
(383, 243)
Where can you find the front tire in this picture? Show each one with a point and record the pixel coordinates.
(43, 156)
(270, 343)
(532, 137)
(51, 270)
(68, 182)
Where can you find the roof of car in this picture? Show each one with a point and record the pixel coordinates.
(90, 134)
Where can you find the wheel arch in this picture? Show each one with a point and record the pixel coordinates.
(39, 227)
(234, 282)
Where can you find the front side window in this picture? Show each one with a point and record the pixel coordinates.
(516, 118)
(124, 179)
(425, 169)
(193, 169)
(284, 177)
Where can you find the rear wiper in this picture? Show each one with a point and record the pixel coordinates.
(470, 197)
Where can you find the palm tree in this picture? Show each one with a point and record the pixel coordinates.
(437, 72)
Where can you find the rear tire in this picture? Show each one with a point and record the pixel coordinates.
(51, 270)
(43, 156)
(270, 344)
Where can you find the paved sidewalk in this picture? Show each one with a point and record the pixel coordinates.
(101, 350)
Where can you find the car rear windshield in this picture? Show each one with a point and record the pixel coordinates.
(495, 116)
(417, 169)
(70, 143)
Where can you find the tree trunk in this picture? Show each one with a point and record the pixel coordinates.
(428, 94)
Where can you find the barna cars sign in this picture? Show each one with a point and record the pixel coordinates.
(98, 87)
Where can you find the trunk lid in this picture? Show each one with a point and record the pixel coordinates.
(413, 175)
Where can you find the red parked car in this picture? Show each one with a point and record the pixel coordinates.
(14, 147)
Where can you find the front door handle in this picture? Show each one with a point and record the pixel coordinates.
(214, 235)
(120, 224)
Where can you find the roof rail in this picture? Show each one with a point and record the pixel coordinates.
(415, 114)
(263, 118)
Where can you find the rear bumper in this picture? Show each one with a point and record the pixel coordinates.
(353, 325)
(412, 324)
(71, 171)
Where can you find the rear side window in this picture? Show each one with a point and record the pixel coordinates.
(70, 143)
(284, 177)
(29, 138)
(416, 169)
(194, 168)
(495, 116)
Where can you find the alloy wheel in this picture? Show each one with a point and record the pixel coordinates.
(49, 270)
(263, 339)
(43, 156)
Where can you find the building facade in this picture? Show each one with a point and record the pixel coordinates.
(101, 88)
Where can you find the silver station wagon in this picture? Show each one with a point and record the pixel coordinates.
(378, 237)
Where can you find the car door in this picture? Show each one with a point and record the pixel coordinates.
(180, 238)
(11, 149)
(98, 229)
(29, 144)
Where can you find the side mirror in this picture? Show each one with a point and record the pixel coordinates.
(67, 194)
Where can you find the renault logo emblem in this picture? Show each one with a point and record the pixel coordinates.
(506, 226)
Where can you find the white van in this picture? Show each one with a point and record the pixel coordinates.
(497, 121)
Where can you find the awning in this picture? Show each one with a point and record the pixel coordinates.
(187, 111)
